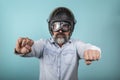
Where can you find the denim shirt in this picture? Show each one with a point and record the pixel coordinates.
(59, 63)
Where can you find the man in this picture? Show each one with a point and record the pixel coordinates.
(59, 56)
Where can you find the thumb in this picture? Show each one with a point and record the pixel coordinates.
(88, 62)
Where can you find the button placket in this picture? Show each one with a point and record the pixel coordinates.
(59, 63)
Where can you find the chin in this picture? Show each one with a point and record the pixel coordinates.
(60, 40)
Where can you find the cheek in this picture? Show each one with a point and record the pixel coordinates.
(54, 34)
(67, 34)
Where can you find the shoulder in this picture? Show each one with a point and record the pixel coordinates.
(40, 41)
(44, 41)
(77, 41)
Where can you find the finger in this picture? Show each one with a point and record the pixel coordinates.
(30, 42)
(19, 41)
(90, 55)
(24, 50)
(98, 55)
(28, 47)
(86, 55)
(18, 44)
(93, 55)
(88, 62)
(27, 41)
(23, 42)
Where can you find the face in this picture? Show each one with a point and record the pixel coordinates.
(61, 32)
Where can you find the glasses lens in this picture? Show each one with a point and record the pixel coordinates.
(64, 26)
(56, 26)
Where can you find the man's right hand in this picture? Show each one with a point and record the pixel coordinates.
(23, 45)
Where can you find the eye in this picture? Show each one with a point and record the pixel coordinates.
(66, 26)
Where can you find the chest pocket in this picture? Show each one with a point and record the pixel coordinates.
(69, 57)
(49, 56)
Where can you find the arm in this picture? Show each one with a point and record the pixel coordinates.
(88, 52)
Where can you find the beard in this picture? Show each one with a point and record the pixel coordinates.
(60, 38)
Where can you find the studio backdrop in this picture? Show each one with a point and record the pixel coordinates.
(98, 23)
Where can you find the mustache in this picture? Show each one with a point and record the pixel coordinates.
(61, 34)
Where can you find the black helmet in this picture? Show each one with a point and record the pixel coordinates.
(61, 14)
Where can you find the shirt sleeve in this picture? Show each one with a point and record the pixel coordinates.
(37, 49)
(81, 47)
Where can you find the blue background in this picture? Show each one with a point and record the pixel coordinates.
(98, 23)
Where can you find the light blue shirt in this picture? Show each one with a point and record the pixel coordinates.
(59, 63)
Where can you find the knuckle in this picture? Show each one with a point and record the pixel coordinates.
(85, 52)
(89, 52)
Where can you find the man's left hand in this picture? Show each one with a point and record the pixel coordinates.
(91, 55)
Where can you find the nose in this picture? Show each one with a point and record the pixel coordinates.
(60, 31)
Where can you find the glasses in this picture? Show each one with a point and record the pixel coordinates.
(64, 26)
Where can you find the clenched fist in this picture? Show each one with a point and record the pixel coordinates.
(91, 55)
(23, 45)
